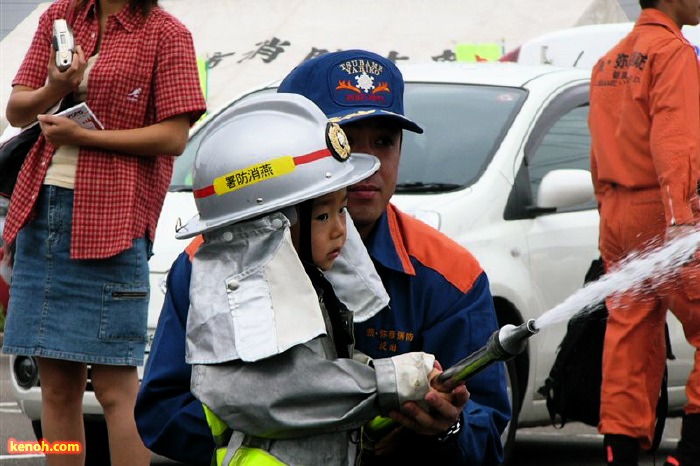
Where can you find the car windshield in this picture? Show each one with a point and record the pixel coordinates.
(464, 126)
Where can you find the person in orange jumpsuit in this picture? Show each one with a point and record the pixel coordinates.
(645, 163)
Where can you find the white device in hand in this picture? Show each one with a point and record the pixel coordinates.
(63, 43)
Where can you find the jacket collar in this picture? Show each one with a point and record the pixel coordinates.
(128, 18)
(652, 16)
(386, 244)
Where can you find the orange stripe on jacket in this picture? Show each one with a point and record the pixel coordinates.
(194, 245)
(433, 249)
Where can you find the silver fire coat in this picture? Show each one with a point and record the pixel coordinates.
(263, 358)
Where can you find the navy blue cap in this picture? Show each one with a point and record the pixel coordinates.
(351, 85)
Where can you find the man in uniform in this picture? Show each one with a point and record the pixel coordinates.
(645, 161)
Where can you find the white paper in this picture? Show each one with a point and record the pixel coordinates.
(82, 115)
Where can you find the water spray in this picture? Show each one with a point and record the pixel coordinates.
(653, 265)
(510, 340)
(649, 267)
(503, 344)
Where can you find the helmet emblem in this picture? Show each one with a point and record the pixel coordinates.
(337, 142)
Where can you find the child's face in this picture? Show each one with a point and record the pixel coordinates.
(328, 228)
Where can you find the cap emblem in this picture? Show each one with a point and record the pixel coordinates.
(365, 84)
(362, 82)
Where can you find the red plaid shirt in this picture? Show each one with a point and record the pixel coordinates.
(146, 72)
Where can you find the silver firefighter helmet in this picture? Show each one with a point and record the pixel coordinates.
(267, 153)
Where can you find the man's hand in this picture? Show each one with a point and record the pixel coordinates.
(444, 406)
(677, 231)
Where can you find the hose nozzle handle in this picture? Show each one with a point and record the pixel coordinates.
(504, 344)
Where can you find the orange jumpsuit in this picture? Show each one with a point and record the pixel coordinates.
(645, 162)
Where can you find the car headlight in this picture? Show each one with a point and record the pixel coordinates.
(26, 371)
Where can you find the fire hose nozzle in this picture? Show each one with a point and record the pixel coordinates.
(513, 339)
(505, 343)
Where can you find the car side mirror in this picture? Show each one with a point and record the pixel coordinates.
(564, 188)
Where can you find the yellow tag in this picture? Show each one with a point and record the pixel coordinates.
(203, 82)
(253, 174)
(478, 52)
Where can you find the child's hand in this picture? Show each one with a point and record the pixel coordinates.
(388, 443)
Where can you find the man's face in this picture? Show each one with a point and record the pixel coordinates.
(686, 12)
(693, 8)
(368, 198)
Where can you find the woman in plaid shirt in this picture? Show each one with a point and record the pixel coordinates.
(84, 211)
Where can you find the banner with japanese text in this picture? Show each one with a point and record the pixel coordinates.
(243, 44)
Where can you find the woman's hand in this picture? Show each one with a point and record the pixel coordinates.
(60, 131)
(65, 82)
(25, 103)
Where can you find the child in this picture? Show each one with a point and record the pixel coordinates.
(270, 343)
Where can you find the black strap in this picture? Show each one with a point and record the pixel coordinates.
(304, 210)
(66, 103)
(662, 405)
(338, 313)
(661, 411)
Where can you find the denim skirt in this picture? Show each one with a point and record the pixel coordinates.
(91, 311)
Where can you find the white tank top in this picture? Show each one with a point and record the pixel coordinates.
(64, 162)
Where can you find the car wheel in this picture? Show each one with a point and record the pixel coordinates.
(96, 443)
(508, 435)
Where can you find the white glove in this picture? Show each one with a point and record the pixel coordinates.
(412, 370)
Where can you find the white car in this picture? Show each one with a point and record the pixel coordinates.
(502, 169)
(580, 46)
